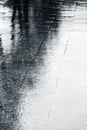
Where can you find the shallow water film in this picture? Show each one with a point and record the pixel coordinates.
(43, 65)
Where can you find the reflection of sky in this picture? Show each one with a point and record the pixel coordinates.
(5, 28)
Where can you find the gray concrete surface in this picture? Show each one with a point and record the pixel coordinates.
(43, 67)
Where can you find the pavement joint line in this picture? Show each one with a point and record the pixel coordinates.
(57, 82)
(49, 113)
(34, 57)
(35, 54)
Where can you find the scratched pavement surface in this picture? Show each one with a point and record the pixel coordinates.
(43, 65)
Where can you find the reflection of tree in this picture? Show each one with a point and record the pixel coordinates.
(11, 96)
(20, 7)
(45, 14)
(32, 21)
(17, 9)
(25, 10)
(35, 19)
(6, 111)
(49, 14)
(19, 18)
(1, 49)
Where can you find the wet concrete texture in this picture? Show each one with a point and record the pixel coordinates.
(43, 65)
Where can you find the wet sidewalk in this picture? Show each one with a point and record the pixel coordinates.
(43, 78)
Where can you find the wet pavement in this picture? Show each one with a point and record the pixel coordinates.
(43, 67)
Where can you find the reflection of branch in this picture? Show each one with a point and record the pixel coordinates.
(6, 2)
